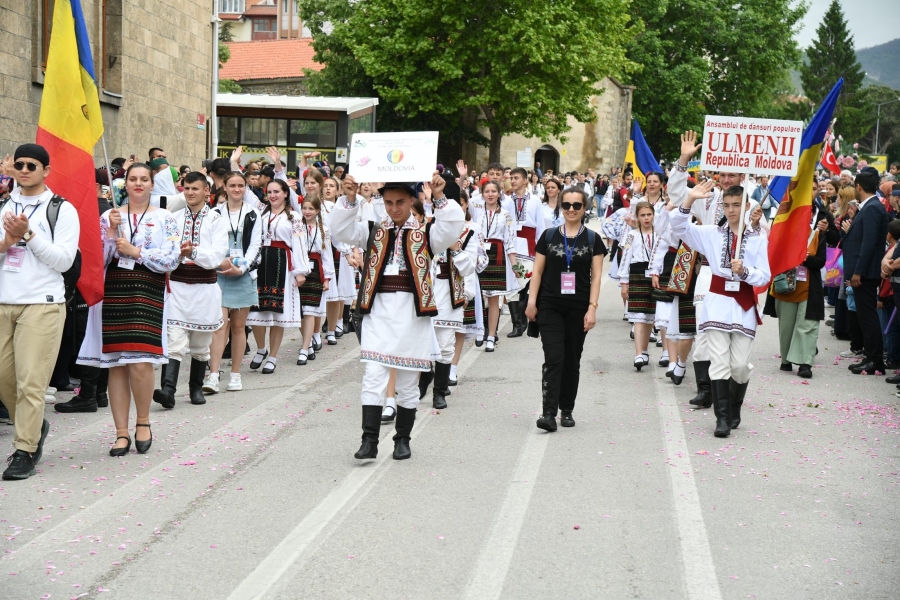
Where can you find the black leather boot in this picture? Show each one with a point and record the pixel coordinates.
(168, 381)
(425, 379)
(84, 402)
(195, 383)
(515, 316)
(703, 399)
(722, 402)
(371, 426)
(406, 418)
(441, 379)
(737, 392)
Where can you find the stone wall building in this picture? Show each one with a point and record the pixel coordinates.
(153, 61)
(600, 145)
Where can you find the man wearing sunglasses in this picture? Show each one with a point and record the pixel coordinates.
(33, 258)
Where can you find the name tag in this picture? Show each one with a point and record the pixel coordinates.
(648, 274)
(802, 273)
(486, 246)
(15, 258)
(519, 227)
(254, 275)
(567, 283)
(392, 270)
(236, 253)
(732, 286)
(267, 242)
(126, 263)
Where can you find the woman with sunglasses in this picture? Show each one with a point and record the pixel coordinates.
(567, 270)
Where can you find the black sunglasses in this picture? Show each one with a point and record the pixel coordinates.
(20, 166)
(572, 205)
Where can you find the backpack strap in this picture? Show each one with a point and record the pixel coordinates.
(53, 213)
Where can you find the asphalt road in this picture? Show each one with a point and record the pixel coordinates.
(257, 494)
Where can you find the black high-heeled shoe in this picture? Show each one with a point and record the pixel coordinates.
(143, 446)
(120, 451)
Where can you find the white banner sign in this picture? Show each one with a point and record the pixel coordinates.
(393, 156)
(742, 145)
(523, 159)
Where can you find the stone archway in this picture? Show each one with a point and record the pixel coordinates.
(548, 156)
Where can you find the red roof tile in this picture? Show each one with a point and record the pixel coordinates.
(254, 11)
(269, 59)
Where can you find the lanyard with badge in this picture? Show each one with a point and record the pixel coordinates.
(236, 251)
(567, 279)
(125, 262)
(647, 249)
(490, 217)
(15, 256)
(267, 241)
(732, 286)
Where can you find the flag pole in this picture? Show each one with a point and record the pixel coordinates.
(112, 193)
(740, 236)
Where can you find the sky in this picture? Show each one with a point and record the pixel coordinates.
(872, 22)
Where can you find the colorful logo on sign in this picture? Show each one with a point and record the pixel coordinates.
(395, 156)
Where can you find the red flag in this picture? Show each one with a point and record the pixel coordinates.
(829, 161)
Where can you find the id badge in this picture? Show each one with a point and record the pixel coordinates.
(648, 274)
(802, 273)
(567, 283)
(267, 242)
(732, 286)
(486, 246)
(15, 259)
(519, 227)
(126, 263)
(392, 270)
(236, 253)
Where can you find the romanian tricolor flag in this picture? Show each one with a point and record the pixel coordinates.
(789, 236)
(639, 154)
(69, 126)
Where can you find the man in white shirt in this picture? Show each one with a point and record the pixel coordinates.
(34, 253)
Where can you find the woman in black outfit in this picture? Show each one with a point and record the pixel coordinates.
(567, 271)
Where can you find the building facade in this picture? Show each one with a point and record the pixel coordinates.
(600, 145)
(153, 61)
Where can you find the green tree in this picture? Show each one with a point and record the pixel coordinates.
(832, 56)
(225, 35)
(521, 67)
(889, 123)
(704, 57)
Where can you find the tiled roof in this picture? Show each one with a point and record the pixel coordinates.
(257, 11)
(269, 59)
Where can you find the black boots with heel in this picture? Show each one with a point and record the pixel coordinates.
(406, 418)
(737, 391)
(441, 385)
(195, 383)
(721, 401)
(703, 399)
(168, 381)
(371, 426)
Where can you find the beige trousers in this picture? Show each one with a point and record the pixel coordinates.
(729, 355)
(29, 342)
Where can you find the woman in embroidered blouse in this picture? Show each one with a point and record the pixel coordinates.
(282, 269)
(636, 285)
(344, 289)
(127, 333)
(550, 208)
(497, 279)
(317, 242)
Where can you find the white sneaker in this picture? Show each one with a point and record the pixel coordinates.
(211, 385)
(234, 383)
(504, 309)
(50, 395)
(849, 354)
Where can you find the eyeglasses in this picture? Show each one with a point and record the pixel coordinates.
(21, 165)
(572, 205)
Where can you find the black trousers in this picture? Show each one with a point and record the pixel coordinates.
(854, 331)
(866, 296)
(562, 335)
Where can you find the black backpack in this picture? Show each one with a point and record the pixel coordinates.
(71, 276)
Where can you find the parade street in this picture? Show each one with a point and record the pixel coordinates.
(257, 494)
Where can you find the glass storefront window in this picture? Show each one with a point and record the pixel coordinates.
(313, 133)
(228, 130)
(263, 132)
(361, 124)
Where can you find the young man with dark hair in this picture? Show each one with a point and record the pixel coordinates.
(396, 298)
(194, 305)
(526, 210)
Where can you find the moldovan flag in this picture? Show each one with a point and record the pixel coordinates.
(789, 236)
(69, 126)
(639, 154)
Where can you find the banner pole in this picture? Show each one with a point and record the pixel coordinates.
(112, 193)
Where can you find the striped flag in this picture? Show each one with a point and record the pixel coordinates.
(639, 154)
(789, 236)
(69, 126)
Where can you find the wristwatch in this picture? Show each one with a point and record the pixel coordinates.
(594, 304)
(28, 235)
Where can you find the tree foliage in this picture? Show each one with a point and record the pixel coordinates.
(523, 67)
(832, 56)
(225, 35)
(889, 124)
(704, 57)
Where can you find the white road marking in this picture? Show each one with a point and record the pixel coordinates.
(496, 554)
(302, 541)
(700, 581)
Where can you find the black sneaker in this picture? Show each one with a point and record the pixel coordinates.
(21, 466)
(45, 429)
(566, 419)
(4, 415)
(78, 404)
(547, 422)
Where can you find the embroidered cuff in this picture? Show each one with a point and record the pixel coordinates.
(743, 276)
(684, 211)
(455, 252)
(441, 202)
(346, 204)
(680, 168)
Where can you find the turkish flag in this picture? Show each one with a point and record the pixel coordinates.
(829, 161)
